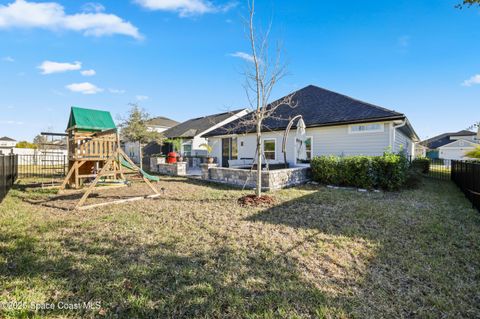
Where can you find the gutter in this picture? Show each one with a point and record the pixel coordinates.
(395, 127)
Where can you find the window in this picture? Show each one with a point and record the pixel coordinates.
(366, 128)
(308, 149)
(187, 149)
(269, 146)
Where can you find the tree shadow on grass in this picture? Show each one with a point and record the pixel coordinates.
(133, 280)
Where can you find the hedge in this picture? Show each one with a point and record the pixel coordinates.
(389, 172)
(422, 164)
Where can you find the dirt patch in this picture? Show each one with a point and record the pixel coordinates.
(254, 200)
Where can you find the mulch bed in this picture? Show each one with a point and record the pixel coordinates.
(253, 200)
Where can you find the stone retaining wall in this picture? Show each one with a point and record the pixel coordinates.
(177, 169)
(271, 180)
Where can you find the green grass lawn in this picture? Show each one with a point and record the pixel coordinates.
(195, 252)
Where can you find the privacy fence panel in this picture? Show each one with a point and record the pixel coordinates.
(467, 176)
(8, 173)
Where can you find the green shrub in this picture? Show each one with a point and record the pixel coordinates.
(421, 164)
(389, 172)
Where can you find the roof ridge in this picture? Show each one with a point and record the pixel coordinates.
(352, 98)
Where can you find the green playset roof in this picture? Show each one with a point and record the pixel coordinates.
(90, 120)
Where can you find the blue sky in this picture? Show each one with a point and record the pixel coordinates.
(174, 57)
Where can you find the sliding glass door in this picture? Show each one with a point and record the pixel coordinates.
(229, 150)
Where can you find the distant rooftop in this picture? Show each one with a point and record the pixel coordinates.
(7, 139)
(193, 127)
(444, 139)
(162, 121)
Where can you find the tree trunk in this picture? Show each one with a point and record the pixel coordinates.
(140, 154)
(258, 191)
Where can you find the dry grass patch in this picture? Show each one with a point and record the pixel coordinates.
(195, 252)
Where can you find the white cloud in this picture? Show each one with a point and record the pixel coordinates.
(116, 91)
(93, 7)
(84, 88)
(242, 55)
(185, 8)
(142, 97)
(49, 67)
(472, 81)
(88, 72)
(52, 16)
(8, 59)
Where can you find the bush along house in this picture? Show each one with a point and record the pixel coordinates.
(335, 125)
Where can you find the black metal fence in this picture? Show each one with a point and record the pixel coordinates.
(437, 168)
(8, 173)
(42, 166)
(467, 177)
(440, 169)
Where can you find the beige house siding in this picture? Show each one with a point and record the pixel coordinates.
(331, 140)
(402, 142)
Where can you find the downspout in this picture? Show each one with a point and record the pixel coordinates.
(395, 130)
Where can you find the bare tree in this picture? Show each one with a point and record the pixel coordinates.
(261, 76)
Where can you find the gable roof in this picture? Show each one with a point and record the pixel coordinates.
(193, 127)
(444, 139)
(463, 133)
(318, 107)
(90, 120)
(162, 121)
(456, 143)
(7, 139)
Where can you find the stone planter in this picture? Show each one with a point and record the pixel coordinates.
(177, 169)
(154, 161)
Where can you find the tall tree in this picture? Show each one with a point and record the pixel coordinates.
(263, 72)
(134, 129)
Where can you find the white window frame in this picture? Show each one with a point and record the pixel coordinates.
(189, 143)
(311, 151)
(380, 130)
(263, 148)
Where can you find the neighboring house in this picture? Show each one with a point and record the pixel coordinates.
(335, 125)
(456, 150)
(159, 124)
(451, 145)
(192, 131)
(7, 143)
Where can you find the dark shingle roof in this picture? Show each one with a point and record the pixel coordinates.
(162, 121)
(463, 133)
(444, 139)
(198, 125)
(319, 107)
(8, 139)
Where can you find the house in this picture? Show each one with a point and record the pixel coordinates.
(159, 124)
(192, 131)
(335, 125)
(451, 146)
(7, 143)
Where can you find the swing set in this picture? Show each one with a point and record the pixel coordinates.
(95, 154)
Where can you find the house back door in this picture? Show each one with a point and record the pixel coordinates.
(225, 151)
(229, 150)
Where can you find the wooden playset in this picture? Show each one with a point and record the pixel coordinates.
(95, 156)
